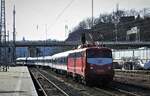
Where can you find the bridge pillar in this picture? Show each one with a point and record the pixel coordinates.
(33, 51)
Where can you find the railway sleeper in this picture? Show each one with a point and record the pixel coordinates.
(75, 77)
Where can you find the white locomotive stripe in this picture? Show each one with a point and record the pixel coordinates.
(99, 61)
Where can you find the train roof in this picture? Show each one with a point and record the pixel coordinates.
(58, 55)
(21, 58)
(47, 57)
(66, 53)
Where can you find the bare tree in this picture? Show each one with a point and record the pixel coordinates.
(145, 12)
(83, 24)
(132, 12)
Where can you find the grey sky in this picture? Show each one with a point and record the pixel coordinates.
(30, 13)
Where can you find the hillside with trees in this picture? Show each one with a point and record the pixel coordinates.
(121, 25)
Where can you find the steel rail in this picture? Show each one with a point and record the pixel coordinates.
(126, 92)
(41, 88)
(54, 84)
(106, 92)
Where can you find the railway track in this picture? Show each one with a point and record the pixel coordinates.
(135, 77)
(115, 89)
(72, 88)
(135, 82)
(131, 89)
(80, 88)
(49, 86)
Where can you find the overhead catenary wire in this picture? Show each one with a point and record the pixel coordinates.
(62, 12)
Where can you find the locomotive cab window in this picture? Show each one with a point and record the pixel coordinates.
(99, 54)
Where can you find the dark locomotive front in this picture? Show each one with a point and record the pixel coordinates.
(99, 65)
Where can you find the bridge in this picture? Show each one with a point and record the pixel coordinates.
(39, 44)
(124, 44)
(111, 44)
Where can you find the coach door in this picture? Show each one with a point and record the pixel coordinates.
(83, 61)
(72, 63)
(79, 63)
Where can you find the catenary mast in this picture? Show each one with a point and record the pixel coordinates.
(3, 50)
(14, 35)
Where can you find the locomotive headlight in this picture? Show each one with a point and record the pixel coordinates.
(91, 67)
(109, 67)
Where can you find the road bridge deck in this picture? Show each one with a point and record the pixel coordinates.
(16, 82)
(76, 43)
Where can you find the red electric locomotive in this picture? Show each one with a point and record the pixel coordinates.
(92, 65)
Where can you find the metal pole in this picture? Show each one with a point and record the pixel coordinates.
(44, 53)
(3, 33)
(116, 22)
(92, 24)
(92, 15)
(45, 39)
(14, 36)
(8, 51)
(116, 31)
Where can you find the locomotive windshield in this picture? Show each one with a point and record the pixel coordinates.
(99, 54)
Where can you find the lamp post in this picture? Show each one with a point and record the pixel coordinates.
(92, 14)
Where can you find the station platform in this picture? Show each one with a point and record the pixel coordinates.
(16, 82)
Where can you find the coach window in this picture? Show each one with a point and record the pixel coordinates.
(60, 60)
(55, 61)
(49, 61)
(52, 60)
(65, 60)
